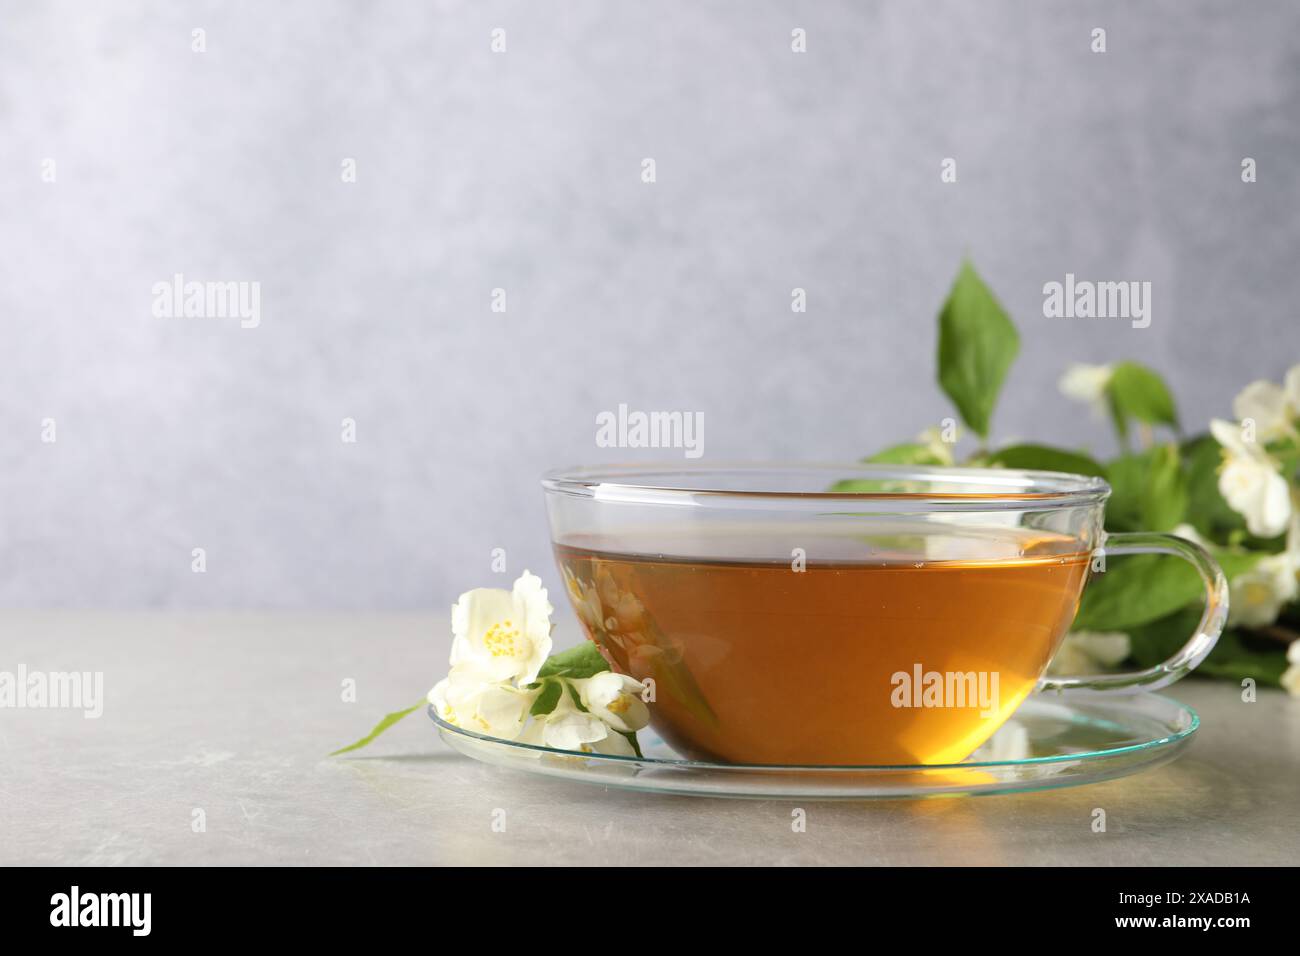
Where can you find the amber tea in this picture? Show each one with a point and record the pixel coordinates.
(898, 647)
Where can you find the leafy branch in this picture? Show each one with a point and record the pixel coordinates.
(1170, 481)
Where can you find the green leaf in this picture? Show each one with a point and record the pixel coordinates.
(1148, 490)
(1235, 561)
(388, 721)
(1136, 392)
(548, 699)
(910, 453)
(1136, 590)
(1206, 509)
(1164, 492)
(576, 698)
(585, 660)
(631, 738)
(1139, 589)
(1234, 657)
(1046, 458)
(1127, 477)
(1287, 453)
(1157, 641)
(977, 344)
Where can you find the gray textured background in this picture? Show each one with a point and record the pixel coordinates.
(521, 171)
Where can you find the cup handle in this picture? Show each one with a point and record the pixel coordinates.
(1203, 638)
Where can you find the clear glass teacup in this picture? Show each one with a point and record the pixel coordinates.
(779, 622)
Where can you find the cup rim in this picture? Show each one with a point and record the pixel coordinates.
(689, 483)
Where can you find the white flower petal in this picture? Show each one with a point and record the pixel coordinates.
(495, 709)
(502, 710)
(1291, 389)
(615, 744)
(1253, 488)
(502, 635)
(1271, 512)
(438, 697)
(1265, 403)
(1228, 434)
(471, 618)
(1086, 383)
(571, 730)
(535, 611)
(1258, 595)
(533, 733)
(615, 699)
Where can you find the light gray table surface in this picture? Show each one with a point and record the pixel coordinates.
(232, 714)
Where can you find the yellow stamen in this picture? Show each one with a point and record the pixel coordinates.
(502, 640)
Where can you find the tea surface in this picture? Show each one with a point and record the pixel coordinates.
(756, 662)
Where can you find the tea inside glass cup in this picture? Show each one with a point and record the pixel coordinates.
(897, 625)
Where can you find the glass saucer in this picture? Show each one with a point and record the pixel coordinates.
(1052, 741)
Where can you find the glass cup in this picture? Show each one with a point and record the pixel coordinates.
(844, 614)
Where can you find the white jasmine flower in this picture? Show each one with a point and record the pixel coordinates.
(1265, 403)
(495, 709)
(502, 635)
(1291, 676)
(932, 439)
(568, 728)
(1273, 408)
(1249, 481)
(1088, 384)
(501, 640)
(1258, 595)
(615, 699)
(1090, 652)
